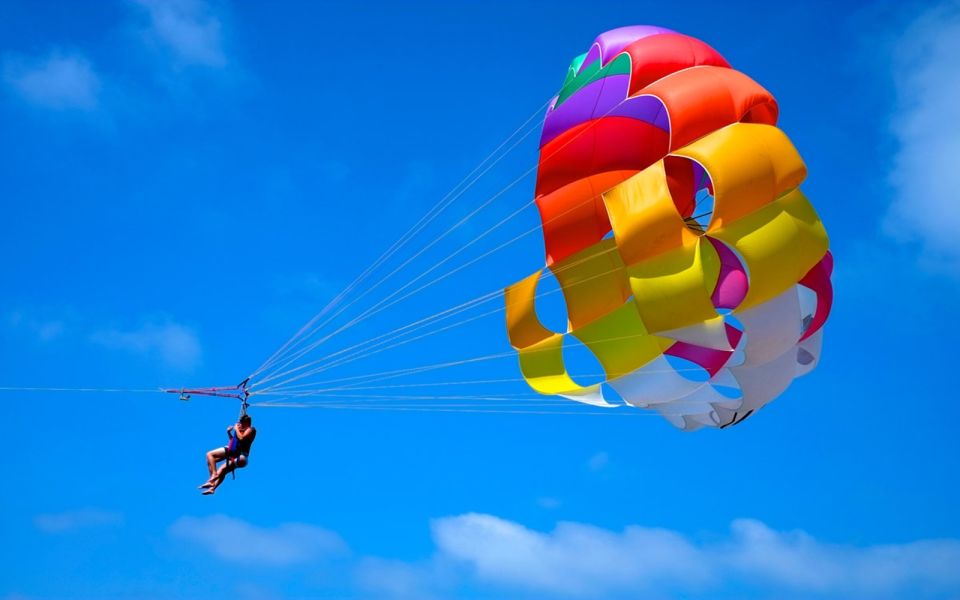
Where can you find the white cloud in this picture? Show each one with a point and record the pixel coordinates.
(58, 81)
(190, 31)
(581, 560)
(574, 559)
(176, 345)
(482, 552)
(926, 126)
(797, 560)
(73, 520)
(235, 540)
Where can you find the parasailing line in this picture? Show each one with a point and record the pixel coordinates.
(428, 217)
(379, 306)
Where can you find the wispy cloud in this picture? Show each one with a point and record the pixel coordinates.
(313, 287)
(926, 126)
(40, 329)
(548, 502)
(334, 170)
(398, 579)
(59, 81)
(173, 343)
(582, 560)
(73, 520)
(161, 339)
(246, 590)
(235, 540)
(189, 32)
(598, 461)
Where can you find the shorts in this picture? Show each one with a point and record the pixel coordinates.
(234, 453)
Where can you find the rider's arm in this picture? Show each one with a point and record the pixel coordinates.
(244, 434)
(230, 431)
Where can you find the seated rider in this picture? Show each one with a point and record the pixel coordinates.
(234, 454)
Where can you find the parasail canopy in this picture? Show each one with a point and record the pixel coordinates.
(692, 266)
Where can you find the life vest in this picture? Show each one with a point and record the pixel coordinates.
(236, 447)
(233, 447)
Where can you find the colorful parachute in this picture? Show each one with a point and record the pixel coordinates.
(710, 295)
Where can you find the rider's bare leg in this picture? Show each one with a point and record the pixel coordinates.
(227, 468)
(213, 457)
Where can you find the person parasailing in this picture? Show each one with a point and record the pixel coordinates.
(235, 455)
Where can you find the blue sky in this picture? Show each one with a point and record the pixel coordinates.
(185, 184)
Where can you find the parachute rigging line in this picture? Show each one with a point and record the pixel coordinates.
(492, 411)
(241, 391)
(372, 310)
(371, 377)
(370, 349)
(431, 214)
(411, 327)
